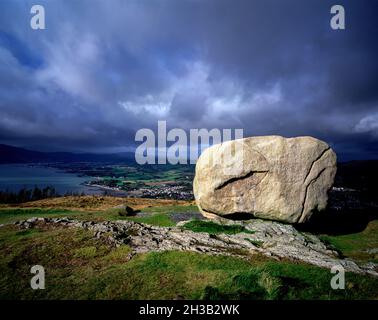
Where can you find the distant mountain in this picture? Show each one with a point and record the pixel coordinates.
(10, 154)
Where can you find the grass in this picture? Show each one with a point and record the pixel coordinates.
(159, 216)
(214, 228)
(157, 219)
(172, 209)
(78, 266)
(98, 203)
(13, 215)
(257, 243)
(356, 245)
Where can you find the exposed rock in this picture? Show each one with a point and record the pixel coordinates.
(184, 216)
(269, 177)
(372, 251)
(269, 238)
(126, 211)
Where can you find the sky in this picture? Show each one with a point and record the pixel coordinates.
(101, 70)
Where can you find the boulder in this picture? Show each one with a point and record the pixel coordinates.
(127, 211)
(268, 177)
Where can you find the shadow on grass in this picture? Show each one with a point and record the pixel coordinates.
(347, 212)
(335, 222)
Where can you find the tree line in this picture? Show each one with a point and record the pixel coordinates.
(25, 195)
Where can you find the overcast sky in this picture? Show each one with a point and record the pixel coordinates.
(103, 69)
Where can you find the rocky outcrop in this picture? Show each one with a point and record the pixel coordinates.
(269, 177)
(268, 238)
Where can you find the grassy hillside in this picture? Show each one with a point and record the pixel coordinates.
(79, 266)
(90, 203)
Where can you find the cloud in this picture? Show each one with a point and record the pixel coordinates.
(368, 124)
(104, 69)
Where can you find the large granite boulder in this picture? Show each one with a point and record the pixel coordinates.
(269, 177)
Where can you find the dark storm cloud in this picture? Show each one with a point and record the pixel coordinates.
(104, 69)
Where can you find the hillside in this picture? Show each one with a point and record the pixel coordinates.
(10, 154)
(92, 251)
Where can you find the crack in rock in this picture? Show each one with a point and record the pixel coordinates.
(300, 218)
(246, 176)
